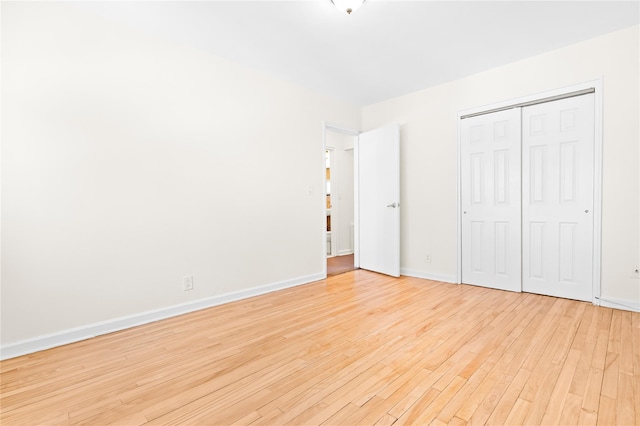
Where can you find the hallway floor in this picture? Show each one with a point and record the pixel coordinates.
(339, 264)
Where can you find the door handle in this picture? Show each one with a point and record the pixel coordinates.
(393, 206)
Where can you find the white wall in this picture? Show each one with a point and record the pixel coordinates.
(342, 190)
(429, 147)
(129, 162)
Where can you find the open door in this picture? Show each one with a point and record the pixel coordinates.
(378, 200)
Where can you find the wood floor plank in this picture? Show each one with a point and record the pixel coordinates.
(585, 342)
(543, 380)
(607, 411)
(508, 399)
(247, 419)
(386, 420)
(553, 411)
(626, 343)
(428, 412)
(339, 417)
(625, 409)
(635, 360)
(356, 348)
(485, 370)
(414, 394)
(490, 400)
(378, 406)
(352, 390)
(596, 372)
(268, 418)
(571, 410)
(412, 413)
(518, 412)
(610, 376)
(588, 418)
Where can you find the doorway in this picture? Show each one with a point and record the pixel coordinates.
(365, 212)
(529, 195)
(339, 199)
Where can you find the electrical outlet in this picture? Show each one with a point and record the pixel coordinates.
(187, 282)
(427, 258)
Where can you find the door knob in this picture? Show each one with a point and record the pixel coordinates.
(393, 206)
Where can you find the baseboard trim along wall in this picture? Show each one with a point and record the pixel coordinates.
(96, 329)
(428, 276)
(622, 304)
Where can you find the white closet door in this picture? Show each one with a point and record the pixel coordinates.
(557, 197)
(490, 162)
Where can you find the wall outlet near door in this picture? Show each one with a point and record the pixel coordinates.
(187, 282)
(427, 258)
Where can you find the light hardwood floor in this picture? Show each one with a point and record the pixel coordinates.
(357, 348)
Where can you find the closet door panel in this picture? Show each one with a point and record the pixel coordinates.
(490, 172)
(557, 197)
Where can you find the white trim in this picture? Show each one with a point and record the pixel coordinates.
(597, 189)
(331, 127)
(96, 329)
(335, 206)
(458, 205)
(445, 278)
(597, 84)
(340, 129)
(622, 304)
(356, 203)
(325, 127)
(597, 172)
(345, 252)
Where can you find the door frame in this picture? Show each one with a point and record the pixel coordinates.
(326, 127)
(334, 172)
(597, 171)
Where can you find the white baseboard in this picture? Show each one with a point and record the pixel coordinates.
(622, 304)
(96, 329)
(344, 252)
(428, 276)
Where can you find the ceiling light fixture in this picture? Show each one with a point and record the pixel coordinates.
(348, 6)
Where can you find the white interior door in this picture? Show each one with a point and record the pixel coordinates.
(378, 200)
(490, 189)
(557, 192)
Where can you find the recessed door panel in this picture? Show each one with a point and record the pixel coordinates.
(501, 176)
(491, 244)
(538, 175)
(568, 168)
(501, 238)
(536, 250)
(567, 250)
(477, 243)
(558, 155)
(477, 177)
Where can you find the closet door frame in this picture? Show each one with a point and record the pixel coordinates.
(597, 170)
